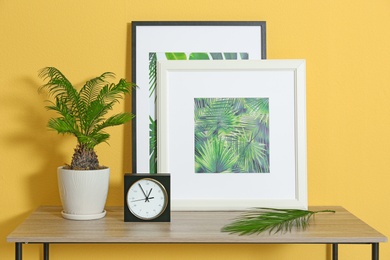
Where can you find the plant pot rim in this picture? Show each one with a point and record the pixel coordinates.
(103, 168)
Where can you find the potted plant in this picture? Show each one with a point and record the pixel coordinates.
(83, 184)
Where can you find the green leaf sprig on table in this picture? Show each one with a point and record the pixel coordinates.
(258, 220)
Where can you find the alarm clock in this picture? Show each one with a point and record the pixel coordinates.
(147, 197)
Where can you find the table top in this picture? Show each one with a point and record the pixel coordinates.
(46, 225)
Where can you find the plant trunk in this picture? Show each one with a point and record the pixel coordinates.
(84, 158)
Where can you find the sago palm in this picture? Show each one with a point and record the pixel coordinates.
(83, 113)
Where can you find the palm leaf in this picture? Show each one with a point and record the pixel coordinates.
(244, 55)
(152, 145)
(230, 55)
(258, 220)
(62, 125)
(114, 120)
(252, 155)
(93, 139)
(67, 123)
(113, 92)
(58, 84)
(59, 87)
(199, 56)
(90, 91)
(214, 157)
(176, 56)
(91, 88)
(218, 116)
(216, 55)
(152, 73)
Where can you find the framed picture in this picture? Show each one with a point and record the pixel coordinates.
(152, 41)
(232, 134)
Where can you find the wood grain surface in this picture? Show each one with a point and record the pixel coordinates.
(46, 225)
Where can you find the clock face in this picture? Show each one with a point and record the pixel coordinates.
(147, 199)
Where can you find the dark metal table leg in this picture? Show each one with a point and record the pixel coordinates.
(45, 251)
(18, 251)
(335, 251)
(375, 251)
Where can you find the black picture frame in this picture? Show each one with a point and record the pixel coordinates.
(179, 36)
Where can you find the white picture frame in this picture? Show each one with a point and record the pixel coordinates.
(148, 37)
(283, 82)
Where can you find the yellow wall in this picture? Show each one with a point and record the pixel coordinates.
(347, 48)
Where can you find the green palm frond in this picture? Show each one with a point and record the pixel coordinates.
(93, 138)
(258, 105)
(244, 55)
(114, 120)
(230, 55)
(199, 56)
(63, 125)
(214, 157)
(176, 56)
(259, 220)
(216, 55)
(58, 85)
(152, 73)
(91, 89)
(67, 123)
(218, 117)
(111, 92)
(152, 145)
(253, 155)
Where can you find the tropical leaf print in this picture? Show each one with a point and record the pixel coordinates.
(199, 56)
(230, 56)
(176, 56)
(231, 135)
(153, 145)
(152, 73)
(214, 156)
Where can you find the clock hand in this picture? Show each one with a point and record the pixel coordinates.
(137, 200)
(142, 199)
(150, 192)
(146, 197)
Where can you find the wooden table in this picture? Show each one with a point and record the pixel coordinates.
(46, 226)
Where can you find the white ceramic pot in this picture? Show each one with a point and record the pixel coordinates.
(83, 193)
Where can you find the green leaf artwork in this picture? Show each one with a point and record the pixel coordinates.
(153, 145)
(231, 135)
(199, 56)
(176, 56)
(153, 57)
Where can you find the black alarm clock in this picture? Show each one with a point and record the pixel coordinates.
(147, 197)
